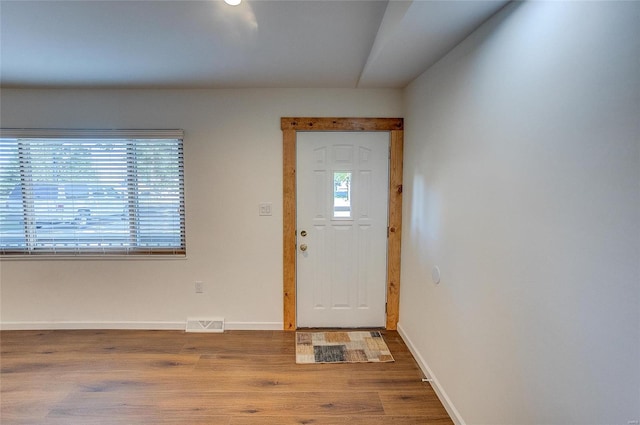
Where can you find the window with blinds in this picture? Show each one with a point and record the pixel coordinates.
(98, 192)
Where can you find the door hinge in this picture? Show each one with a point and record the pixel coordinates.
(385, 307)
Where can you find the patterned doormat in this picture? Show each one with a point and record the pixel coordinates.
(341, 347)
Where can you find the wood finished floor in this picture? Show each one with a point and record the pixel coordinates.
(171, 377)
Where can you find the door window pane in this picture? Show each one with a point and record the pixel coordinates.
(341, 194)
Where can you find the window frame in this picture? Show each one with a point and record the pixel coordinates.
(137, 249)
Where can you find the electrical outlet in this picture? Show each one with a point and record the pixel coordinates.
(199, 287)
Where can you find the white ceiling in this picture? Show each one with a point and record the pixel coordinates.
(261, 43)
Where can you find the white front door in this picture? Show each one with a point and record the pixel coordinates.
(342, 208)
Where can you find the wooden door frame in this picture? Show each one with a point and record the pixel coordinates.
(290, 126)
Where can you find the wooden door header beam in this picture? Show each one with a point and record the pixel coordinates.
(341, 124)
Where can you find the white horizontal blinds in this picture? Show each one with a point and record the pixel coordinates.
(159, 194)
(77, 194)
(12, 234)
(99, 195)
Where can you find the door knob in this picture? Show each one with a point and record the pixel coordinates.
(303, 233)
(303, 247)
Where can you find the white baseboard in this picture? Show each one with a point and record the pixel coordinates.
(151, 325)
(69, 325)
(254, 326)
(440, 392)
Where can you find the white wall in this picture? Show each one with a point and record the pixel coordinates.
(522, 183)
(233, 160)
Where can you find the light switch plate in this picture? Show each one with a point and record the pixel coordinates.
(265, 208)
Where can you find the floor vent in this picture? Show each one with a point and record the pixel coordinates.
(209, 324)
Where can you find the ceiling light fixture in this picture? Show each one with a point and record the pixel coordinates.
(232, 2)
